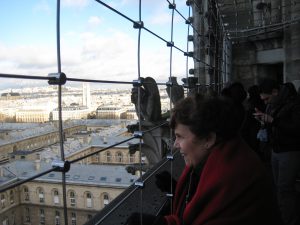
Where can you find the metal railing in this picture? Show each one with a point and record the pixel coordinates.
(59, 79)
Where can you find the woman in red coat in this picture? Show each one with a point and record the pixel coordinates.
(224, 182)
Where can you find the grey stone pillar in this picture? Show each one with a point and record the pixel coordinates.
(200, 40)
(292, 43)
(276, 11)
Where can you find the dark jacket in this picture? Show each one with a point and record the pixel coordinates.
(285, 128)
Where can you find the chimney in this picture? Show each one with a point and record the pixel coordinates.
(37, 164)
(38, 156)
(104, 140)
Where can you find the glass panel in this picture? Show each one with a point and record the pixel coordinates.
(88, 202)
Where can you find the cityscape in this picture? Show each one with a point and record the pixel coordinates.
(29, 144)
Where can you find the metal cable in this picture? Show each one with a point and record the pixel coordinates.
(162, 163)
(170, 97)
(77, 159)
(187, 48)
(143, 27)
(30, 77)
(116, 144)
(99, 81)
(18, 183)
(61, 135)
(134, 22)
(114, 10)
(101, 150)
(139, 106)
(263, 32)
(23, 76)
(268, 26)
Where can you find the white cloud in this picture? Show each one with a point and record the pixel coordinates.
(29, 56)
(110, 57)
(94, 21)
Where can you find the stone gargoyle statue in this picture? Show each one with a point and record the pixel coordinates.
(175, 91)
(150, 106)
(156, 142)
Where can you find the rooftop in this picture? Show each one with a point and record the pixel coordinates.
(100, 175)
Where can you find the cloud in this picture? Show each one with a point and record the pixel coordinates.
(110, 57)
(94, 21)
(28, 56)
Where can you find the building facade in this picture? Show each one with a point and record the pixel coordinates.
(89, 189)
(32, 116)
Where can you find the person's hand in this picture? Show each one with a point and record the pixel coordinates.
(263, 117)
(163, 181)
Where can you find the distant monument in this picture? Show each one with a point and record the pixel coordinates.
(86, 95)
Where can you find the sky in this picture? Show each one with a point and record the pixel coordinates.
(96, 43)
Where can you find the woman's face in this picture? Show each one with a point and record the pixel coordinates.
(193, 149)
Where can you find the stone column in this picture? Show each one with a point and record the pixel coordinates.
(291, 43)
(199, 41)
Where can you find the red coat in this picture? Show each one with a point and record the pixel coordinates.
(234, 189)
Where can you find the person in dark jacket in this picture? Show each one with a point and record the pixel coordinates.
(237, 93)
(251, 125)
(283, 120)
(224, 182)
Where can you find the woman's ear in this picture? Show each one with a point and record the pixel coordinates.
(211, 140)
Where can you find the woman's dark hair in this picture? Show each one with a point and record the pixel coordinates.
(236, 92)
(204, 115)
(254, 99)
(286, 93)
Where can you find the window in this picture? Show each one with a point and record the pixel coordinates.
(119, 157)
(13, 222)
(55, 197)
(42, 217)
(108, 156)
(73, 218)
(89, 217)
(41, 195)
(89, 200)
(72, 198)
(131, 158)
(91, 178)
(5, 221)
(3, 201)
(105, 199)
(26, 194)
(11, 197)
(76, 177)
(96, 158)
(57, 218)
(27, 215)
